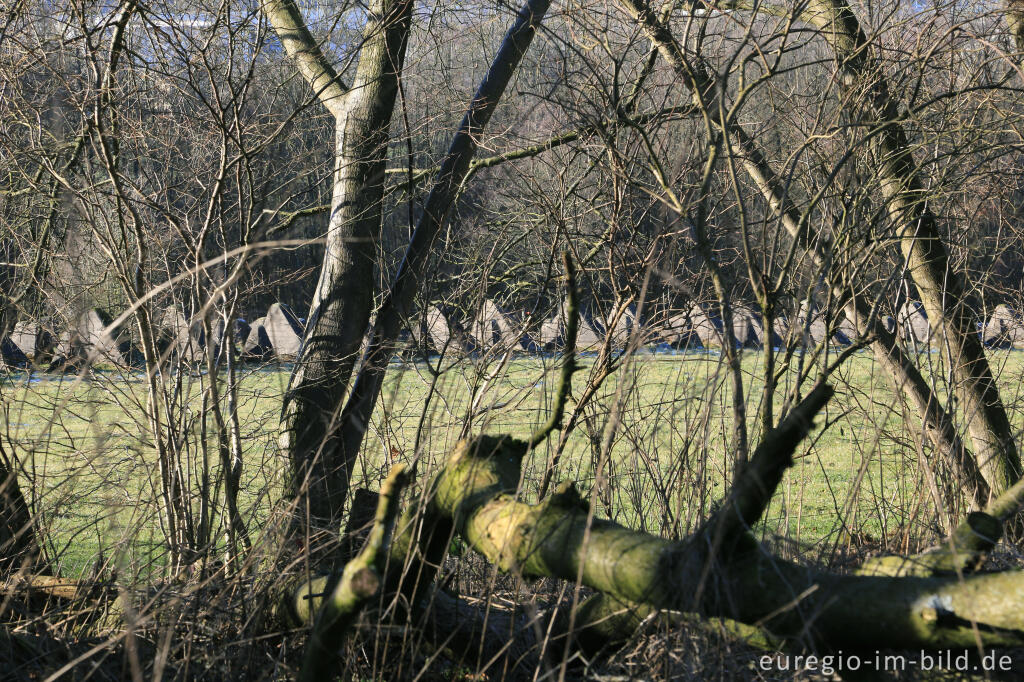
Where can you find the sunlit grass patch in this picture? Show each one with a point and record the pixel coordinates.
(86, 446)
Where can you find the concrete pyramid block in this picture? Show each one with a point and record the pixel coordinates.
(492, 328)
(11, 355)
(706, 325)
(34, 339)
(812, 324)
(629, 328)
(786, 336)
(257, 346)
(445, 334)
(237, 338)
(284, 331)
(589, 336)
(674, 328)
(551, 331)
(97, 343)
(812, 319)
(180, 336)
(912, 321)
(1004, 328)
(623, 327)
(747, 328)
(809, 328)
(847, 332)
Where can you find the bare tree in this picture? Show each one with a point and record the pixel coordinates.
(341, 307)
(334, 435)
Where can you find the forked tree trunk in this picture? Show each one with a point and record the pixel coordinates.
(454, 170)
(322, 439)
(340, 311)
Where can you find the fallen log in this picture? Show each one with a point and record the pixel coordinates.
(719, 575)
(735, 578)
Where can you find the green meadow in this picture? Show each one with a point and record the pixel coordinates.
(654, 449)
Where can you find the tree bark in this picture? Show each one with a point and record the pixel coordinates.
(340, 311)
(18, 547)
(452, 174)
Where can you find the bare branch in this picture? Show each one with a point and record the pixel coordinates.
(300, 45)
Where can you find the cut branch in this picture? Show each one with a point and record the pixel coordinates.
(757, 482)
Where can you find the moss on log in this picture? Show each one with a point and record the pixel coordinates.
(963, 551)
(559, 538)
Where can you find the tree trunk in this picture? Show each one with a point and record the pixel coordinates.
(340, 311)
(452, 174)
(18, 547)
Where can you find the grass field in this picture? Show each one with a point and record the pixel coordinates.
(90, 466)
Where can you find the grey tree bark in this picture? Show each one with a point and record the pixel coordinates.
(321, 438)
(340, 311)
(453, 172)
